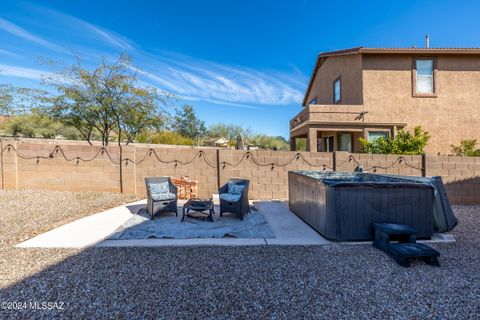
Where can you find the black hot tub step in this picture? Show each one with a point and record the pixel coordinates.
(394, 228)
(402, 252)
(406, 248)
(386, 232)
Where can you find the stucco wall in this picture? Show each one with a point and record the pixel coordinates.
(451, 116)
(349, 68)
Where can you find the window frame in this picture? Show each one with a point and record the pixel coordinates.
(416, 94)
(339, 79)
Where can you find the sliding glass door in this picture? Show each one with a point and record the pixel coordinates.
(328, 144)
(345, 142)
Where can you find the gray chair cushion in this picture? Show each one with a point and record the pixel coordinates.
(161, 187)
(163, 196)
(230, 197)
(235, 188)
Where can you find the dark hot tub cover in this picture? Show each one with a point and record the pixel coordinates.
(444, 219)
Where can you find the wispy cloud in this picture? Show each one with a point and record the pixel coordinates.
(110, 37)
(21, 72)
(222, 103)
(9, 53)
(83, 28)
(222, 83)
(191, 78)
(17, 31)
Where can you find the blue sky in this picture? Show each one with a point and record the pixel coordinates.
(245, 62)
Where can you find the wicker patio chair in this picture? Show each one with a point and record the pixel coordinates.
(234, 197)
(161, 196)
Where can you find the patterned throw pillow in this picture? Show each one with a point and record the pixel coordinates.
(158, 188)
(235, 188)
(163, 196)
(230, 197)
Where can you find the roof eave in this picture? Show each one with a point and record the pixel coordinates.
(321, 57)
(462, 51)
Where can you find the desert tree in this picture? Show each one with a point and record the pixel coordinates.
(186, 123)
(15, 101)
(107, 99)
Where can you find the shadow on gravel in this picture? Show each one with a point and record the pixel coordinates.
(266, 282)
(243, 282)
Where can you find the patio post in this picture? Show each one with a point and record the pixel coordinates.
(218, 168)
(424, 165)
(1, 163)
(334, 160)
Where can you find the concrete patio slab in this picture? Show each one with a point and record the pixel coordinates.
(287, 227)
(95, 230)
(182, 242)
(84, 232)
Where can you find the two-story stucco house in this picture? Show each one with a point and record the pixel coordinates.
(373, 92)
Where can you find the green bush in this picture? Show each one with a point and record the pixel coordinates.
(467, 148)
(301, 144)
(165, 137)
(404, 142)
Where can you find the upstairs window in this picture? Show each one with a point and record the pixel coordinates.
(424, 77)
(337, 90)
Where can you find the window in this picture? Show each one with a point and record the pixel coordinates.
(313, 101)
(374, 135)
(337, 91)
(424, 77)
(345, 142)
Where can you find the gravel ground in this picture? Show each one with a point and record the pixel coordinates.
(336, 281)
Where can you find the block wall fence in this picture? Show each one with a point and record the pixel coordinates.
(77, 166)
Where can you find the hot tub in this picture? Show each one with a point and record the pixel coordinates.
(343, 205)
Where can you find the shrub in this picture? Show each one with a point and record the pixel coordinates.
(466, 148)
(301, 144)
(35, 125)
(404, 142)
(164, 137)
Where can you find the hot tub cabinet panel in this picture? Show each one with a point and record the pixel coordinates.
(308, 200)
(343, 207)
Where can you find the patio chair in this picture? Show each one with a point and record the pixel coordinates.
(161, 196)
(234, 197)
